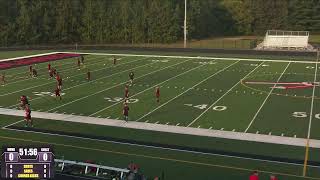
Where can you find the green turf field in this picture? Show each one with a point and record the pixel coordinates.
(248, 96)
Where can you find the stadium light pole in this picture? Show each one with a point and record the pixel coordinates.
(185, 24)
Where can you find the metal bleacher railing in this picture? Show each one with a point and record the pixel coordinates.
(61, 165)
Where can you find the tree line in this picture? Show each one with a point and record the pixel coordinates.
(25, 22)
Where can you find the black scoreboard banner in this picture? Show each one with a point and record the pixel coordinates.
(27, 162)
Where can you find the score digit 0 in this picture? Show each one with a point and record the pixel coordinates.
(11, 157)
(45, 157)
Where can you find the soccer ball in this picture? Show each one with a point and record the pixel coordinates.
(104, 64)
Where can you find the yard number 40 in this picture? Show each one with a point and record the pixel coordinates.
(304, 115)
(204, 106)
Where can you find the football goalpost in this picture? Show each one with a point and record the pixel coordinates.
(285, 40)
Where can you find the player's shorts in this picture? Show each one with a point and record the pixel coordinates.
(59, 83)
(57, 94)
(27, 117)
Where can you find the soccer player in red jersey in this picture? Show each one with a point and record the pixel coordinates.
(3, 78)
(57, 92)
(114, 61)
(51, 73)
(23, 101)
(126, 92)
(59, 83)
(158, 94)
(27, 116)
(273, 177)
(126, 112)
(57, 76)
(88, 75)
(49, 67)
(254, 176)
(30, 70)
(78, 63)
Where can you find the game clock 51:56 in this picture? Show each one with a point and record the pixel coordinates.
(28, 152)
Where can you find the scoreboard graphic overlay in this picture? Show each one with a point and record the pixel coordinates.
(27, 162)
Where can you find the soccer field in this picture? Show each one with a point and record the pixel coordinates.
(273, 98)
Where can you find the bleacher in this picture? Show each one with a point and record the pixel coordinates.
(285, 40)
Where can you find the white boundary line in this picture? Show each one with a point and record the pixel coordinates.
(156, 147)
(272, 139)
(150, 87)
(312, 101)
(119, 84)
(197, 57)
(224, 95)
(265, 100)
(34, 55)
(187, 90)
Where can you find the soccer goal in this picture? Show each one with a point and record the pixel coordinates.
(286, 40)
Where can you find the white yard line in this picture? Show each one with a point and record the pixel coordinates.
(223, 95)
(199, 57)
(12, 124)
(149, 88)
(265, 100)
(312, 101)
(300, 142)
(187, 90)
(119, 84)
(70, 77)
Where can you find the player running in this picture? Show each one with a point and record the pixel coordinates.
(125, 112)
(126, 93)
(114, 60)
(54, 70)
(131, 76)
(34, 73)
(82, 59)
(88, 75)
(24, 101)
(3, 78)
(50, 73)
(30, 70)
(79, 64)
(158, 94)
(57, 93)
(59, 82)
(27, 117)
(49, 67)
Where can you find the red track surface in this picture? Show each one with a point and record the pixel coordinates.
(37, 59)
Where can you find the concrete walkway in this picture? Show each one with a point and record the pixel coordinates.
(168, 128)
